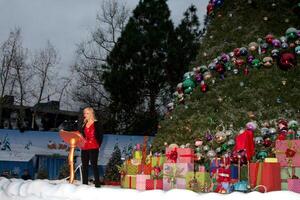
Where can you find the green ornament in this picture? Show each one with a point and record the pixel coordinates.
(224, 147)
(203, 69)
(291, 33)
(188, 75)
(188, 83)
(188, 90)
(256, 63)
(228, 66)
(261, 155)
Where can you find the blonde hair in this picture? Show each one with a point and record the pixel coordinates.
(92, 111)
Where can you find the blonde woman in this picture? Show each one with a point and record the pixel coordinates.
(92, 132)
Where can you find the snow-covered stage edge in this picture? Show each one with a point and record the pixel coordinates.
(18, 189)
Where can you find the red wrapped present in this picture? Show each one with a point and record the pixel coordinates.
(294, 185)
(141, 181)
(288, 153)
(154, 184)
(223, 174)
(266, 174)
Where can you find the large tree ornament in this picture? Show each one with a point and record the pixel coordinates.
(287, 61)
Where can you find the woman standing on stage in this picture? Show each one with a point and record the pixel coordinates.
(92, 132)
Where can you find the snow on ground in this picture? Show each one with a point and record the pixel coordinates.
(17, 189)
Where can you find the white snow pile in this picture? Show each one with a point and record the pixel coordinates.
(18, 189)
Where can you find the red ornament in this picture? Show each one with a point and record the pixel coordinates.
(239, 62)
(267, 142)
(203, 87)
(236, 52)
(209, 8)
(246, 71)
(263, 50)
(269, 38)
(220, 68)
(287, 61)
(289, 153)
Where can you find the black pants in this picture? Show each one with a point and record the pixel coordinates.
(92, 156)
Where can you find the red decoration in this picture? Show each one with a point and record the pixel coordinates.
(267, 142)
(236, 52)
(220, 68)
(203, 87)
(287, 61)
(209, 8)
(246, 71)
(281, 136)
(172, 156)
(289, 153)
(239, 62)
(269, 38)
(244, 141)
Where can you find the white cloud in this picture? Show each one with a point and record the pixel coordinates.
(65, 22)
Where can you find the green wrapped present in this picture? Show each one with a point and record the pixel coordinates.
(131, 168)
(158, 161)
(128, 181)
(198, 181)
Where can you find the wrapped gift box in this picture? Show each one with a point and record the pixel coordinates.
(131, 169)
(267, 174)
(154, 184)
(176, 171)
(288, 152)
(128, 181)
(184, 155)
(203, 179)
(141, 181)
(234, 173)
(294, 185)
(214, 165)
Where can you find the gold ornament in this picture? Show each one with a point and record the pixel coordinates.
(283, 82)
(251, 114)
(207, 75)
(220, 136)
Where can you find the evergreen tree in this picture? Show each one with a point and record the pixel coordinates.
(111, 170)
(136, 70)
(185, 45)
(262, 95)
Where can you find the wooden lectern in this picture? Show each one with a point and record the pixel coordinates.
(73, 138)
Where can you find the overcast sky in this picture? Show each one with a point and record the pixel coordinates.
(66, 22)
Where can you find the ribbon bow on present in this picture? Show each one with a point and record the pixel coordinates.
(172, 174)
(290, 152)
(172, 155)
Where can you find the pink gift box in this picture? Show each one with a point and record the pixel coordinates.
(294, 185)
(180, 184)
(285, 155)
(141, 181)
(184, 155)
